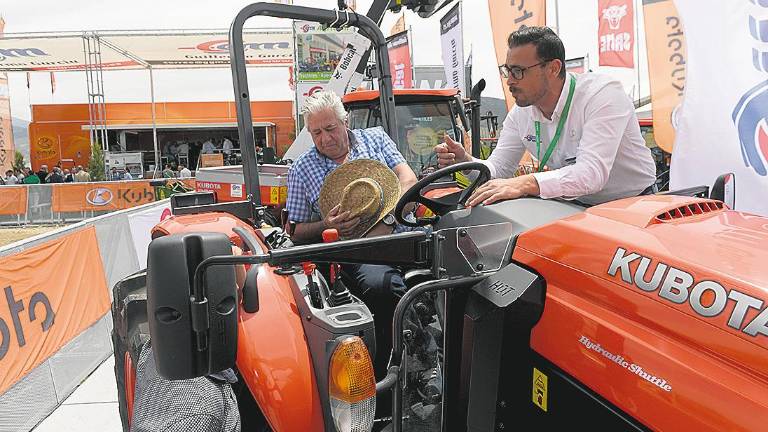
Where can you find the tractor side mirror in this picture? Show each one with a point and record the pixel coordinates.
(724, 190)
(193, 333)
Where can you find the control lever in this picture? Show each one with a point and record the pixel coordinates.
(339, 292)
(314, 289)
(284, 217)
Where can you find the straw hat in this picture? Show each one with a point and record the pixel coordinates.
(366, 188)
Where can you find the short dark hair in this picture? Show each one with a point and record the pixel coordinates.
(548, 44)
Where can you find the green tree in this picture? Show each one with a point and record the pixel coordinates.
(18, 161)
(96, 163)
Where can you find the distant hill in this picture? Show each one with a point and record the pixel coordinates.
(21, 136)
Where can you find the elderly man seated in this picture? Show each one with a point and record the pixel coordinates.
(380, 287)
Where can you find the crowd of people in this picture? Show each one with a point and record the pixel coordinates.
(180, 171)
(55, 175)
(184, 152)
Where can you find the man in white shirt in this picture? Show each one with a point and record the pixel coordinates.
(208, 147)
(183, 148)
(583, 128)
(184, 172)
(227, 147)
(11, 179)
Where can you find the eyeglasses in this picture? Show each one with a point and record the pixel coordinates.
(517, 72)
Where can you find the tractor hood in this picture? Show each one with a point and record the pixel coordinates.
(685, 268)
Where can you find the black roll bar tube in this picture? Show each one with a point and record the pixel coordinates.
(367, 27)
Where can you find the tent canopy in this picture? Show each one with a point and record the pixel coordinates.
(115, 50)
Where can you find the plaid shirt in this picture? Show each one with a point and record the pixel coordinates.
(306, 175)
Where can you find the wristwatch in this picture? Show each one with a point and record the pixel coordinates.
(389, 220)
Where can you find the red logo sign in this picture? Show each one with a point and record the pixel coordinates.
(616, 33)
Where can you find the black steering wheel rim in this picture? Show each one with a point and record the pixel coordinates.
(413, 194)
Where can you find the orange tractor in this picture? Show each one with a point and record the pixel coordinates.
(647, 313)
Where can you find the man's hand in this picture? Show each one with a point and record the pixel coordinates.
(343, 222)
(502, 189)
(450, 152)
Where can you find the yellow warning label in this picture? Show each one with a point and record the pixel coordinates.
(539, 389)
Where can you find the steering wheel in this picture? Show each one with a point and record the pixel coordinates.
(440, 206)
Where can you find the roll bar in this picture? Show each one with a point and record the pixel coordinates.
(367, 27)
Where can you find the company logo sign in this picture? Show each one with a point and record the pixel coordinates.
(613, 15)
(99, 196)
(13, 53)
(222, 46)
(16, 307)
(750, 113)
(312, 90)
(707, 298)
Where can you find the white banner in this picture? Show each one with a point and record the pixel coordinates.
(722, 121)
(343, 79)
(141, 224)
(263, 49)
(453, 48)
(43, 53)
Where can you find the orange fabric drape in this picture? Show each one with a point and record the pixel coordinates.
(13, 200)
(51, 293)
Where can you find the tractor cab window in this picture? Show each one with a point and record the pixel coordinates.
(420, 127)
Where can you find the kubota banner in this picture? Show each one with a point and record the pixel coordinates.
(51, 293)
(105, 196)
(666, 49)
(722, 121)
(13, 200)
(400, 61)
(508, 16)
(616, 33)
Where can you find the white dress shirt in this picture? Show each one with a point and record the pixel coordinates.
(227, 146)
(208, 147)
(601, 155)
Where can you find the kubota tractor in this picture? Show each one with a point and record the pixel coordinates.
(647, 313)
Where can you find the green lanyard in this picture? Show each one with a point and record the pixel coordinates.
(560, 124)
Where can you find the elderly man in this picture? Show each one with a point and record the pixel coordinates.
(380, 287)
(325, 118)
(583, 127)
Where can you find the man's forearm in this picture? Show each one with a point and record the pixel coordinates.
(308, 232)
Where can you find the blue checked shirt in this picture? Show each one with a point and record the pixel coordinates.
(306, 175)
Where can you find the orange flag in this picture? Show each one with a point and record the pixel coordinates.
(667, 55)
(507, 17)
(399, 26)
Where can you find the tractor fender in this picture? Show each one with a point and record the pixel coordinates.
(202, 222)
(274, 359)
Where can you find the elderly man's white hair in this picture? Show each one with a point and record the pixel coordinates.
(322, 100)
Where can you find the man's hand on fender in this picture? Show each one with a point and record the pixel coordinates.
(343, 222)
(503, 189)
(450, 152)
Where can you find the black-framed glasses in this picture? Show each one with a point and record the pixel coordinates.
(517, 72)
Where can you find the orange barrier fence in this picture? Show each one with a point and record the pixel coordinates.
(67, 202)
(65, 294)
(13, 200)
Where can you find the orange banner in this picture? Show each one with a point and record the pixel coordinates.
(507, 17)
(667, 54)
(616, 33)
(13, 200)
(51, 293)
(103, 196)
